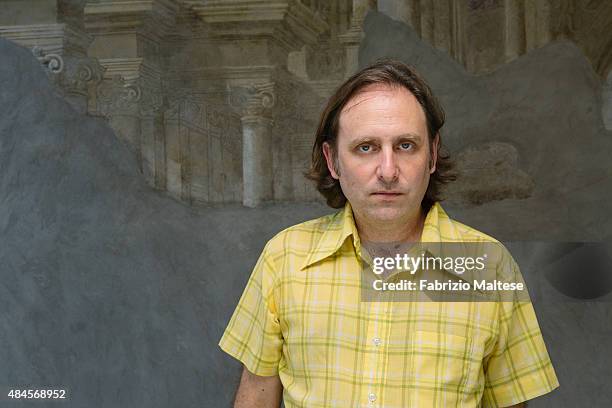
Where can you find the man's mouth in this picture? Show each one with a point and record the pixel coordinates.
(387, 193)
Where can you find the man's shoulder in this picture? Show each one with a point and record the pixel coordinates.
(497, 252)
(468, 233)
(452, 230)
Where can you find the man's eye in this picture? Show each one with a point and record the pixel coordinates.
(364, 148)
(406, 146)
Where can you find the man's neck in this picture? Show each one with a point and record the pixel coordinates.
(407, 230)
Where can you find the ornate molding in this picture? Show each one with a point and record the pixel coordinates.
(54, 63)
(51, 38)
(235, 74)
(289, 21)
(109, 16)
(354, 34)
(130, 69)
(134, 76)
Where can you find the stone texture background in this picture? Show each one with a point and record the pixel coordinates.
(526, 135)
(109, 288)
(120, 292)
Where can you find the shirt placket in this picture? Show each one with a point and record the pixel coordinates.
(376, 333)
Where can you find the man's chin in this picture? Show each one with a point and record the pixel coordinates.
(387, 213)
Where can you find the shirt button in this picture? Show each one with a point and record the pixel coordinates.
(376, 341)
(371, 397)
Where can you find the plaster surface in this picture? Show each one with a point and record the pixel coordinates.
(120, 293)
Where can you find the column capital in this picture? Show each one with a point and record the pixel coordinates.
(79, 74)
(118, 96)
(72, 75)
(256, 100)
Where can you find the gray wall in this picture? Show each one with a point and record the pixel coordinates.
(120, 294)
(109, 288)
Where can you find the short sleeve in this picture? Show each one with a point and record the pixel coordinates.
(519, 367)
(253, 334)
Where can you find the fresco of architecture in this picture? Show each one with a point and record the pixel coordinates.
(218, 99)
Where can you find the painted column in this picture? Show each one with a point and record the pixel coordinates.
(257, 163)
(352, 38)
(129, 50)
(514, 37)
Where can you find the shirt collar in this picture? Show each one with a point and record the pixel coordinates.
(438, 228)
(342, 225)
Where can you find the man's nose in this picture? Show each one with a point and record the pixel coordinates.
(388, 170)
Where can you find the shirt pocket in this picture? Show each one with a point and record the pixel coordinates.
(445, 363)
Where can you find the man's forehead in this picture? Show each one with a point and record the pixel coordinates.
(370, 92)
(352, 112)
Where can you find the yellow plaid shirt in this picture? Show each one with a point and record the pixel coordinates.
(301, 317)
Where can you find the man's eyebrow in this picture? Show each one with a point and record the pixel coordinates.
(372, 139)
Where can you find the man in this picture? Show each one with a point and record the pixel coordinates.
(301, 327)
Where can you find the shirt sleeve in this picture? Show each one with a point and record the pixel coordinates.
(253, 334)
(519, 367)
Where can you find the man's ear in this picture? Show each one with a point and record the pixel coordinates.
(434, 153)
(329, 159)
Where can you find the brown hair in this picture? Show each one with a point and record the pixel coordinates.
(393, 73)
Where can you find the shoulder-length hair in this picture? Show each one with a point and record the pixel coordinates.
(393, 73)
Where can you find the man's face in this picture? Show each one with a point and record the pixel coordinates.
(383, 154)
